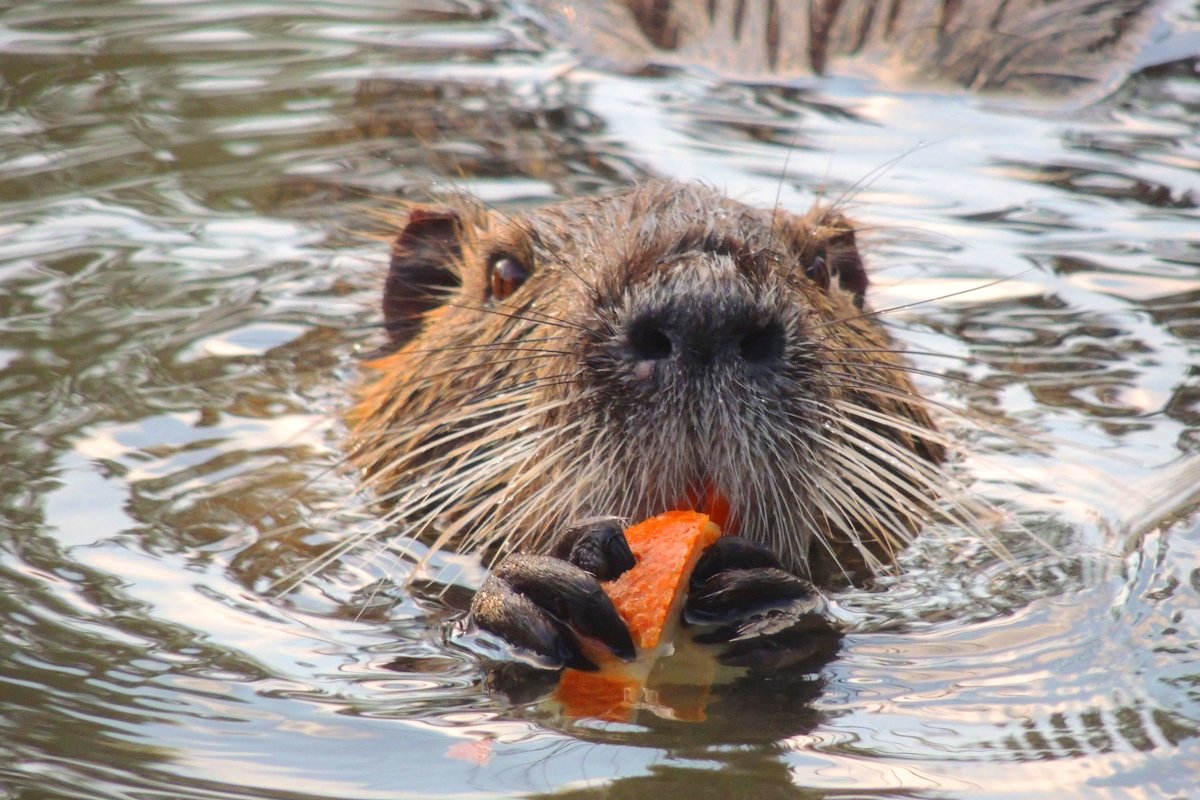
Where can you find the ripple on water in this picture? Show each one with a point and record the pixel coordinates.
(183, 290)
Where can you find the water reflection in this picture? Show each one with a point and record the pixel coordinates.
(183, 289)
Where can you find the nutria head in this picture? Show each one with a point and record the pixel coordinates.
(630, 353)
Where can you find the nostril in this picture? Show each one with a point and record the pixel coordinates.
(649, 343)
(762, 343)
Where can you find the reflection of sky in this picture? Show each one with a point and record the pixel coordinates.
(89, 503)
(86, 507)
(159, 446)
(248, 340)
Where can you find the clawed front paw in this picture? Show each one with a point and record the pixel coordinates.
(763, 613)
(542, 604)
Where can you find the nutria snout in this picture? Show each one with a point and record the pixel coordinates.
(691, 331)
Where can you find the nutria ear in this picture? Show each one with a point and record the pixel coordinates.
(843, 261)
(422, 270)
(828, 252)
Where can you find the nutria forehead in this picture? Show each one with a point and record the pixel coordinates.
(597, 250)
(653, 221)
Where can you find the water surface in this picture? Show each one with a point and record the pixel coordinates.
(185, 283)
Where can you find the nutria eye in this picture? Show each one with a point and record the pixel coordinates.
(505, 276)
(818, 272)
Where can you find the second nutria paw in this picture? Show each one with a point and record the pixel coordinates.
(764, 613)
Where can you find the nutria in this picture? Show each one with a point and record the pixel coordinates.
(630, 353)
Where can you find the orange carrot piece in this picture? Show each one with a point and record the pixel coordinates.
(649, 598)
(665, 548)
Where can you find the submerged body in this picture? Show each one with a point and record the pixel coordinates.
(1050, 48)
(628, 354)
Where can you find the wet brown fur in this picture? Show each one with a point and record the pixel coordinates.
(1043, 47)
(492, 424)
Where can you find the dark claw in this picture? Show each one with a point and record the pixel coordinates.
(732, 552)
(520, 622)
(598, 547)
(736, 577)
(569, 593)
(539, 602)
(766, 613)
(734, 593)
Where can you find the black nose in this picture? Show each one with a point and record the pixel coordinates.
(705, 332)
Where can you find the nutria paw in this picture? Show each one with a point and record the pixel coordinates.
(597, 546)
(539, 604)
(761, 610)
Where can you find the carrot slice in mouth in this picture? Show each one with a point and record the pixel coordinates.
(649, 597)
(666, 549)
